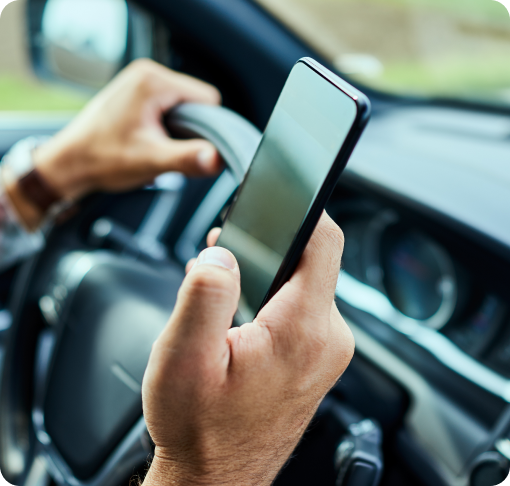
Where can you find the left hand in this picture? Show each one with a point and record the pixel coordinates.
(118, 141)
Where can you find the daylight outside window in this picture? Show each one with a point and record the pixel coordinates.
(440, 48)
(84, 42)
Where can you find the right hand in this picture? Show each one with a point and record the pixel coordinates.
(229, 405)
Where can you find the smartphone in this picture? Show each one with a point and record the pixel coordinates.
(308, 140)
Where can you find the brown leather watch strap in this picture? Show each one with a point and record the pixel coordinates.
(36, 190)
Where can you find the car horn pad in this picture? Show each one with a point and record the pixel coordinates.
(111, 319)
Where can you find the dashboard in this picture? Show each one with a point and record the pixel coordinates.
(431, 286)
(423, 285)
(424, 281)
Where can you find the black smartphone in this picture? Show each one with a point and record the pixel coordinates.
(308, 140)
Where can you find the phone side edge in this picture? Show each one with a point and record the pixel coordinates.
(363, 111)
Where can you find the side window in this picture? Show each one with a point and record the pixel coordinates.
(56, 54)
(20, 89)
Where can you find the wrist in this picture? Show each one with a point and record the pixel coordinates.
(27, 189)
(167, 472)
(163, 473)
(59, 165)
(29, 214)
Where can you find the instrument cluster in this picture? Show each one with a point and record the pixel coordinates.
(420, 282)
(415, 273)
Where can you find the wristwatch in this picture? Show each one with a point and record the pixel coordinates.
(33, 186)
(18, 165)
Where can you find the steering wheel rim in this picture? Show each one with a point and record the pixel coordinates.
(236, 140)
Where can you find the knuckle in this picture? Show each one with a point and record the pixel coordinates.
(344, 347)
(335, 234)
(143, 72)
(143, 65)
(215, 95)
(210, 280)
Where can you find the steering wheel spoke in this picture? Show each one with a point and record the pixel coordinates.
(134, 449)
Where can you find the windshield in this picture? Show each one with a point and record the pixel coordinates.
(446, 48)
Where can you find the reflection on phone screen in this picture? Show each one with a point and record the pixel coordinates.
(303, 137)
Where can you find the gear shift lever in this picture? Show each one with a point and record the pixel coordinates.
(358, 457)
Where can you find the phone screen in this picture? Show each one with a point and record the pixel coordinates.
(304, 135)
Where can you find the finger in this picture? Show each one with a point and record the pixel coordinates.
(213, 236)
(304, 303)
(190, 264)
(192, 89)
(206, 304)
(173, 87)
(318, 269)
(191, 157)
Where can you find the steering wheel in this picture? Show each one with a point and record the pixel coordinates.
(83, 325)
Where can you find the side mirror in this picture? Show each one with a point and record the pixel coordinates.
(86, 42)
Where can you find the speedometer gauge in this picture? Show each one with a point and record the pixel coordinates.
(418, 276)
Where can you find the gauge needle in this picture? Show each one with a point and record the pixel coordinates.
(3, 4)
(505, 3)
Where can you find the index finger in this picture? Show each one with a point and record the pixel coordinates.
(212, 236)
(311, 289)
(186, 88)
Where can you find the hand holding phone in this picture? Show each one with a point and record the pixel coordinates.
(232, 394)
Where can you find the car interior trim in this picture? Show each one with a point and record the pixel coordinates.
(159, 214)
(158, 218)
(261, 63)
(449, 449)
(503, 447)
(375, 303)
(38, 474)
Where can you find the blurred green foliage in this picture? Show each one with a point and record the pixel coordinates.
(450, 78)
(20, 94)
(486, 8)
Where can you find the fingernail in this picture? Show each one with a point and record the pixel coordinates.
(217, 256)
(206, 157)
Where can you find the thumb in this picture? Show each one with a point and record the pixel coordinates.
(191, 157)
(207, 301)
